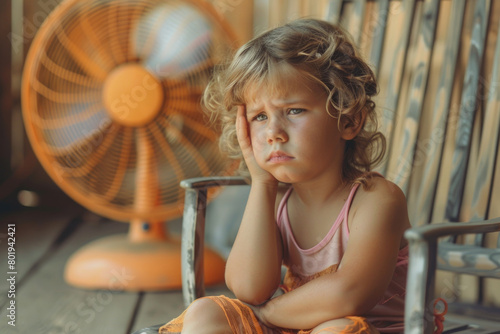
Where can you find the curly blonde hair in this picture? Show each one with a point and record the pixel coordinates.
(319, 51)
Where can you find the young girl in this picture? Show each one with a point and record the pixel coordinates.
(295, 105)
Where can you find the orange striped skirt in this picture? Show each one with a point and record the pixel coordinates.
(242, 320)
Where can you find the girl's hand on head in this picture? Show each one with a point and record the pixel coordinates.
(242, 130)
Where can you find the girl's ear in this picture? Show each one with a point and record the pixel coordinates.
(352, 126)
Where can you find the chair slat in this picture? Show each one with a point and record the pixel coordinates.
(355, 23)
(379, 34)
(469, 259)
(397, 59)
(440, 114)
(418, 87)
(333, 11)
(489, 142)
(467, 108)
(425, 198)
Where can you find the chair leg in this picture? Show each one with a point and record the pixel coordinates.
(419, 287)
(193, 235)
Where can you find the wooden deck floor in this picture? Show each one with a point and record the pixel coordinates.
(45, 304)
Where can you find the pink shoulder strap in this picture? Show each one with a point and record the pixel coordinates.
(349, 201)
(281, 206)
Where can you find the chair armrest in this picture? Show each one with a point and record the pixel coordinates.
(434, 231)
(193, 231)
(213, 181)
(422, 266)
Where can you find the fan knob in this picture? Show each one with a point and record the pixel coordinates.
(132, 95)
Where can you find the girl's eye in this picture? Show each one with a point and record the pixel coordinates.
(260, 117)
(295, 111)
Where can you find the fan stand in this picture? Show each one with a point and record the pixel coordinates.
(147, 258)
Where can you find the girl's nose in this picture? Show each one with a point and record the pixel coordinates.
(276, 132)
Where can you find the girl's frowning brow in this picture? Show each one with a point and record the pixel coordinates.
(277, 103)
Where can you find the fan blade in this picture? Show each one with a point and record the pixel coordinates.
(57, 70)
(183, 97)
(162, 143)
(189, 148)
(61, 97)
(91, 158)
(194, 124)
(85, 138)
(183, 35)
(68, 117)
(99, 44)
(118, 46)
(144, 39)
(82, 58)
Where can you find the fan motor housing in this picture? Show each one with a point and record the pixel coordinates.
(132, 95)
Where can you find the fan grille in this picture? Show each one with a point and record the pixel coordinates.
(124, 170)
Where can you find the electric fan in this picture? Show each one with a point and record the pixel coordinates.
(110, 94)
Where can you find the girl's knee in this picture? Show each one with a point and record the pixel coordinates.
(205, 316)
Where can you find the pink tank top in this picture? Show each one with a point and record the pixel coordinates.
(388, 315)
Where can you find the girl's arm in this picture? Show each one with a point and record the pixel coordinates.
(364, 273)
(253, 269)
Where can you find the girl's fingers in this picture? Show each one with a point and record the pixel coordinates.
(242, 128)
(245, 142)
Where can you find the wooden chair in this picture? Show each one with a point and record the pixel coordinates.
(438, 66)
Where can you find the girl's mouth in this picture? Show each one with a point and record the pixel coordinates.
(279, 156)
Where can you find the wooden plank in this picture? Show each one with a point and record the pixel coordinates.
(317, 8)
(418, 88)
(467, 109)
(438, 213)
(404, 93)
(486, 326)
(468, 259)
(332, 13)
(35, 232)
(46, 304)
(486, 87)
(354, 23)
(276, 13)
(396, 62)
(261, 16)
(293, 10)
(158, 308)
(378, 34)
(489, 142)
(428, 181)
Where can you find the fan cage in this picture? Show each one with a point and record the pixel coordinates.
(96, 160)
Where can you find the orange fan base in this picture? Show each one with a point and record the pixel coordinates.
(140, 261)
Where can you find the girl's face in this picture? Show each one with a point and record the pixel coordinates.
(293, 137)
